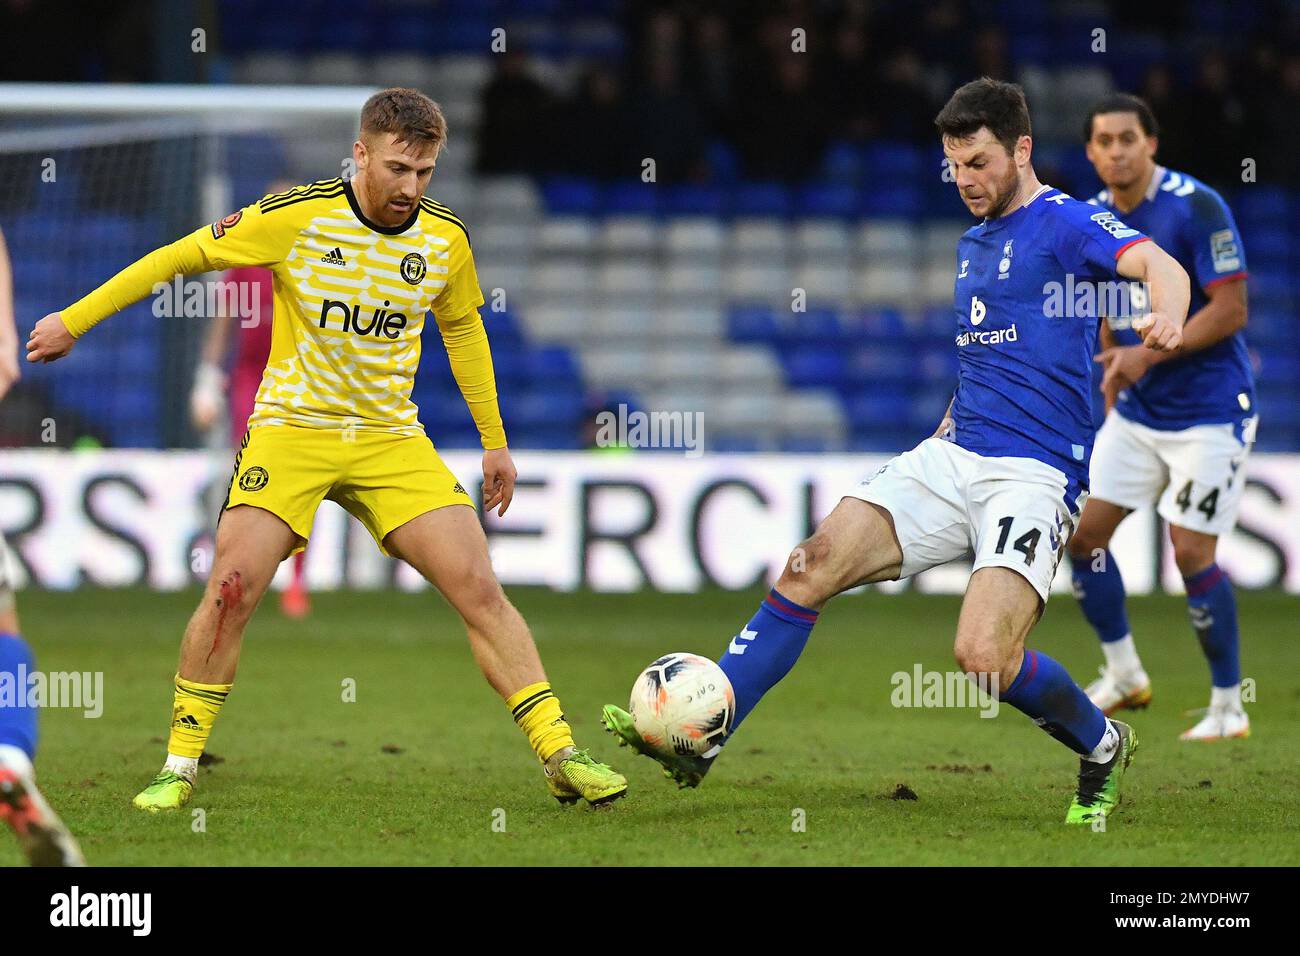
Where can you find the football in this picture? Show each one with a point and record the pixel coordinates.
(683, 703)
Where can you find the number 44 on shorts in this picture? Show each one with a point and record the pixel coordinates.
(1206, 506)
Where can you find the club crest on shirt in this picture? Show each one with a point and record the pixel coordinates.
(413, 268)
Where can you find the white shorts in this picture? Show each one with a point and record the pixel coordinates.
(1195, 476)
(948, 503)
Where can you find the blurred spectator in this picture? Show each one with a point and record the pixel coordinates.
(909, 111)
(1282, 158)
(1218, 112)
(667, 126)
(591, 129)
(1176, 142)
(515, 108)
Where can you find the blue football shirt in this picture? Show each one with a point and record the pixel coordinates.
(1027, 318)
(1191, 222)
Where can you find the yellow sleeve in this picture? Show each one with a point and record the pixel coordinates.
(461, 294)
(471, 364)
(244, 238)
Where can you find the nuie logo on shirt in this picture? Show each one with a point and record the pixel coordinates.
(380, 322)
(221, 225)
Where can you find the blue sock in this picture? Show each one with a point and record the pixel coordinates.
(760, 655)
(1045, 692)
(17, 720)
(1101, 595)
(1214, 616)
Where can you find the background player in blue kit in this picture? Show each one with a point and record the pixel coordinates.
(1006, 474)
(1181, 425)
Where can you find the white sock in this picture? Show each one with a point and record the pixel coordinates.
(1122, 655)
(16, 759)
(187, 767)
(1106, 748)
(1227, 698)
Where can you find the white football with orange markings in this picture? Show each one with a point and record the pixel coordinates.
(683, 704)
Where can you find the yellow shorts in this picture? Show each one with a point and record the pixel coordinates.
(384, 479)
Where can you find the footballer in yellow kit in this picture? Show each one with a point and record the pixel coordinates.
(357, 264)
(334, 417)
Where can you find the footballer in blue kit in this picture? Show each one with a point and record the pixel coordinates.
(1179, 425)
(1006, 473)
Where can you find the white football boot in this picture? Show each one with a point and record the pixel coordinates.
(1221, 721)
(1114, 691)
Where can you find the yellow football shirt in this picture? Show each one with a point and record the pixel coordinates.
(350, 301)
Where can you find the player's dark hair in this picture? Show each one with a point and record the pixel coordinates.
(408, 113)
(986, 102)
(1122, 103)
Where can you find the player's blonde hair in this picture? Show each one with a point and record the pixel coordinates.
(409, 114)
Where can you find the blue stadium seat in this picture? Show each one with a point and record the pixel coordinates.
(811, 366)
(868, 324)
(753, 323)
(723, 162)
(901, 200)
(1259, 205)
(878, 407)
(760, 199)
(816, 326)
(732, 443)
(827, 200)
(694, 200)
(571, 196)
(804, 445)
(1267, 245)
(510, 366)
(882, 365)
(552, 367)
(887, 161)
(630, 198)
(844, 164)
(503, 329)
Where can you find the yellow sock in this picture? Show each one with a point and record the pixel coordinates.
(193, 713)
(536, 710)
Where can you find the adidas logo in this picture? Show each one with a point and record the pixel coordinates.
(187, 721)
(334, 257)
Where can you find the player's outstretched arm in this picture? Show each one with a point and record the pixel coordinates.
(1170, 294)
(244, 238)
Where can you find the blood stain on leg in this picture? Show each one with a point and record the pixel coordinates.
(232, 592)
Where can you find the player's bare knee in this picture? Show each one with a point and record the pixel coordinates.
(479, 597)
(978, 652)
(1193, 556)
(806, 577)
(232, 596)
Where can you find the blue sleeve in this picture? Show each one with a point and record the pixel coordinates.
(1217, 252)
(1089, 240)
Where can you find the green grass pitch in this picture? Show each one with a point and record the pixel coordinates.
(425, 767)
